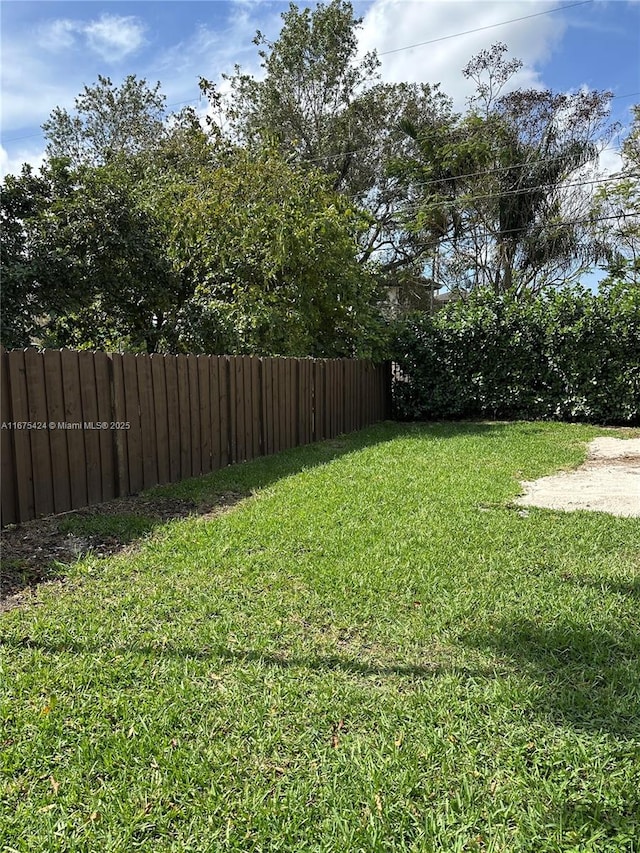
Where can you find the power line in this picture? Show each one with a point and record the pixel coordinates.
(464, 200)
(502, 169)
(488, 27)
(561, 224)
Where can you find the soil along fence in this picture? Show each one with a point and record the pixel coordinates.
(79, 428)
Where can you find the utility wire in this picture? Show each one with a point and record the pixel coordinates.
(488, 27)
(603, 179)
(560, 224)
(463, 202)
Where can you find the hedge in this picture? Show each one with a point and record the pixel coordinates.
(568, 355)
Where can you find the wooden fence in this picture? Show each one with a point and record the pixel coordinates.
(79, 428)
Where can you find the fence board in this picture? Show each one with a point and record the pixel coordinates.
(89, 401)
(194, 400)
(184, 410)
(160, 415)
(39, 433)
(134, 433)
(225, 411)
(238, 404)
(173, 416)
(275, 404)
(267, 407)
(106, 415)
(69, 363)
(21, 437)
(204, 394)
(249, 394)
(148, 441)
(123, 486)
(214, 411)
(256, 395)
(7, 460)
(283, 403)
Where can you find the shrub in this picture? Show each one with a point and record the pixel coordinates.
(568, 355)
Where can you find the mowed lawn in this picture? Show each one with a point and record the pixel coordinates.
(375, 651)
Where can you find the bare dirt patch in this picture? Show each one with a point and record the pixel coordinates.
(37, 551)
(608, 481)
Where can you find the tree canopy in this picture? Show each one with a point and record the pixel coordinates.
(280, 227)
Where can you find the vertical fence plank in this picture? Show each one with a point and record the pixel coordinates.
(161, 415)
(173, 416)
(275, 404)
(39, 433)
(69, 362)
(336, 397)
(293, 400)
(134, 433)
(285, 379)
(204, 393)
(238, 405)
(7, 466)
(225, 411)
(256, 393)
(89, 400)
(233, 414)
(331, 409)
(215, 419)
(304, 401)
(120, 435)
(248, 401)
(320, 390)
(21, 437)
(149, 442)
(194, 400)
(106, 415)
(294, 408)
(184, 409)
(267, 407)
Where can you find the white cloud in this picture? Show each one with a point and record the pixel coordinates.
(391, 24)
(11, 164)
(58, 35)
(112, 37)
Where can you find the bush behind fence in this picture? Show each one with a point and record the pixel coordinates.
(569, 355)
(80, 428)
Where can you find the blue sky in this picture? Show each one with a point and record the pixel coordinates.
(50, 50)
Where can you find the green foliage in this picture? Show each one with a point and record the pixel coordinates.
(569, 355)
(269, 253)
(108, 122)
(84, 261)
(322, 105)
(24, 290)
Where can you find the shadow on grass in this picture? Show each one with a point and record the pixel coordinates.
(588, 678)
(38, 551)
(223, 654)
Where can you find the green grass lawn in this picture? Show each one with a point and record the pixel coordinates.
(375, 651)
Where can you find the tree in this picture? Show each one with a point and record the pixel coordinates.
(24, 199)
(109, 121)
(503, 192)
(325, 108)
(616, 213)
(85, 264)
(269, 252)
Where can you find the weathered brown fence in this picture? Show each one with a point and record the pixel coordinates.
(79, 428)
